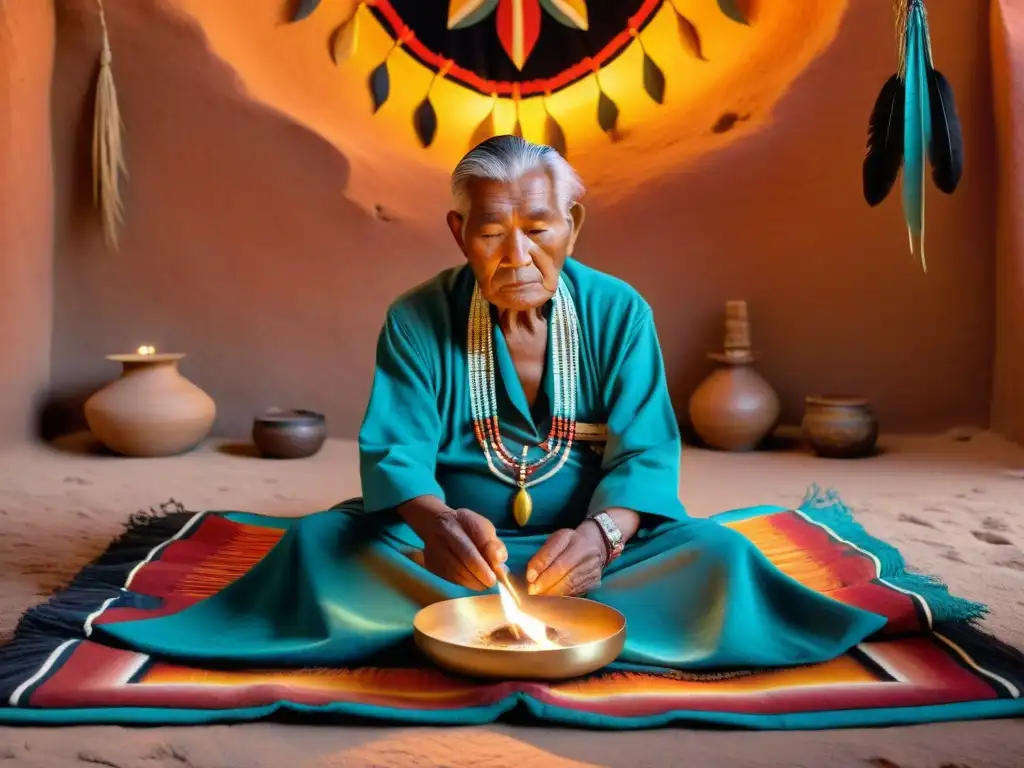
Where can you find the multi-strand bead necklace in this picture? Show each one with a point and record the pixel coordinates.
(565, 366)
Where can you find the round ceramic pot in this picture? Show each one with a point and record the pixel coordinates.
(840, 426)
(734, 409)
(152, 410)
(289, 434)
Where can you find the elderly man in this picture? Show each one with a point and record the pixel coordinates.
(519, 417)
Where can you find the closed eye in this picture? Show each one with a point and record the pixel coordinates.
(537, 231)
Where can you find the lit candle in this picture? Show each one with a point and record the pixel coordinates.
(146, 349)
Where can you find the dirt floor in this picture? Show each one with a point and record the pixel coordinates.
(954, 504)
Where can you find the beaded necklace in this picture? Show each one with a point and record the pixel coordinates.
(565, 366)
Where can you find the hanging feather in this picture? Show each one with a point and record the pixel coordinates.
(947, 148)
(424, 120)
(304, 8)
(916, 128)
(654, 80)
(346, 39)
(554, 136)
(486, 129)
(689, 35)
(107, 149)
(607, 114)
(380, 85)
(885, 142)
(914, 123)
(739, 11)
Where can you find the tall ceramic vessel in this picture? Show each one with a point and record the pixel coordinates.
(152, 410)
(734, 409)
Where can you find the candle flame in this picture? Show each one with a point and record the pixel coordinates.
(146, 349)
(535, 629)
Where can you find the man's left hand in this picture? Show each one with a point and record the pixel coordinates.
(570, 562)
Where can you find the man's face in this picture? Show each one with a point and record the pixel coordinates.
(516, 239)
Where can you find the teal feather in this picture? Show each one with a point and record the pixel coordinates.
(917, 126)
(914, 123)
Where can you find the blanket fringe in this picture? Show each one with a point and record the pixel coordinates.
(44, 627)
(827, 508)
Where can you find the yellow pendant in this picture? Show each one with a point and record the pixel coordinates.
(523, 507)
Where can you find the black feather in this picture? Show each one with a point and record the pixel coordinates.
(654, 80)
(424, 120)
(885, 142)
(304, 8)
(607, 113)
(946, 151)
(380, 85)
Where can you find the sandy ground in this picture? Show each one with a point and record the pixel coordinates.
(954, 506)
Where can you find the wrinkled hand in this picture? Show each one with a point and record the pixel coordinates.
(570, 562)
(459, 545)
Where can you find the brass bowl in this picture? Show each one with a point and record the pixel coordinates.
(450, 633)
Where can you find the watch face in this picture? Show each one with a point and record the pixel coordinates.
(610, 529)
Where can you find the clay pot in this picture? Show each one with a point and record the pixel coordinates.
(840, 426)
(281, 434)
(152, 410)
(734, 408)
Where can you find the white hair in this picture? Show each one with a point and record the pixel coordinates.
(508, 158)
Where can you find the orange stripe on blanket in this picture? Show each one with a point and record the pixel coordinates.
(842, 671)
(247, 546)
(786, 555)
(410, 684)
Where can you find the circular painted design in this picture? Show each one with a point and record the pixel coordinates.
(515, 47)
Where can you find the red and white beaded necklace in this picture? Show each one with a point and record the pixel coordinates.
(565, 366)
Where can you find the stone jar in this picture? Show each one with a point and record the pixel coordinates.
(279, 434)
(152, 410)
(734, 409)
(840, 426)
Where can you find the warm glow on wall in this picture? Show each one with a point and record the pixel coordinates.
(709, 103)
(531, 66)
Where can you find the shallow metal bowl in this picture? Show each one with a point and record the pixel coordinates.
(450, 633)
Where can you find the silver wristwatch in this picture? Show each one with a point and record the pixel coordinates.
(612, 535)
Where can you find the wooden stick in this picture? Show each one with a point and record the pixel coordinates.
(502, 574)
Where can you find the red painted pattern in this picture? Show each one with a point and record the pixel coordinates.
(526, 88)
(529, 19)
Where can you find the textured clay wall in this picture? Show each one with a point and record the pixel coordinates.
(26, 211)
(1008, 87)
(271, 217)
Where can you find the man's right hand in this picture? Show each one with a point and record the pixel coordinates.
(458, 544)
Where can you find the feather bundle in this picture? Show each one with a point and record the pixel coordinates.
(108, 164)
(914, 123)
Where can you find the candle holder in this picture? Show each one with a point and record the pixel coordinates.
(151, 410)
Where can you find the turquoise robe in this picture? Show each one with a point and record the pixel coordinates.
(341, 589)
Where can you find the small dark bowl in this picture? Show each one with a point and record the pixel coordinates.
(840, 426)
(296, 434)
